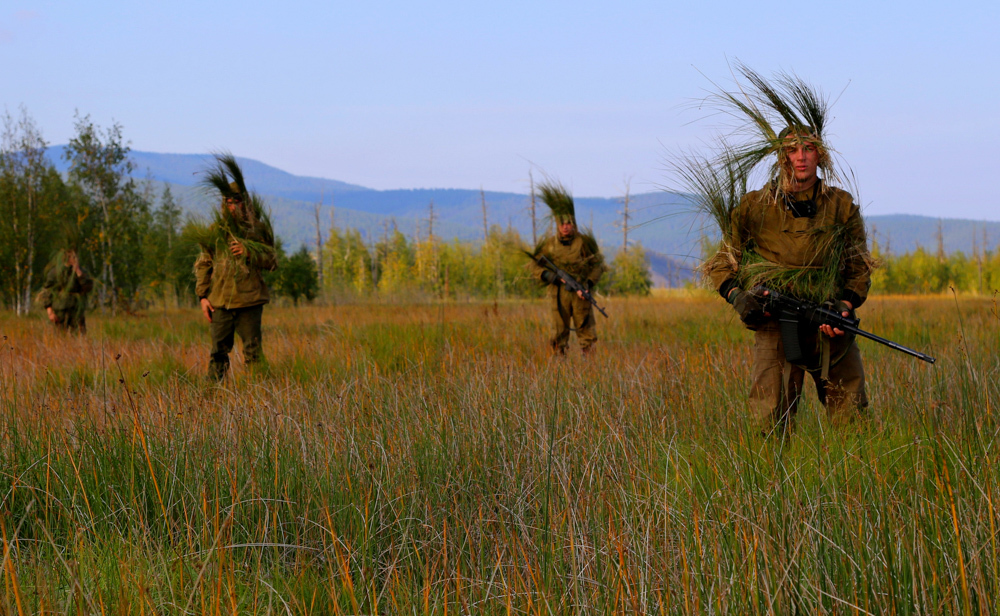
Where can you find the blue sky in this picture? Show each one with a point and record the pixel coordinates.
(463, 94)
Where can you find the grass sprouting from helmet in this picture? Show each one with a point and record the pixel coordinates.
(225, 179)
(767, 116)
(557, 198)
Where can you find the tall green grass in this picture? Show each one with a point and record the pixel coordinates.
(433, 459)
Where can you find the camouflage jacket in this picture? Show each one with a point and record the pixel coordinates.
(580, 258)
(64, 291)
(232, 282)
(765, 224)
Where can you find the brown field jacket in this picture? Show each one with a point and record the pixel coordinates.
(766, 224)
(232, 282)
(580, 258)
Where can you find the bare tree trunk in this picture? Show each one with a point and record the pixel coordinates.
(30, 232)
(430, 221)
(18, 266)
(107, 267)
(628, 190)
(319, 245)
(534, 230)
(940, 242)
(486, 228)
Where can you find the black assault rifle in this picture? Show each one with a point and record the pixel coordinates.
(568, 281)
(793, 313)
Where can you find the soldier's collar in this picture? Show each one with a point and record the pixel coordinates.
(802, 207)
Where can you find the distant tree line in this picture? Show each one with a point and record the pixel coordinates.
(395, 265)
(923, 271)
(132, 242)
(136, 244)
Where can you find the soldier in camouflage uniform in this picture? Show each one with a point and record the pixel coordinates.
(64, 293)
(800, 235)
(799, 223)
(230, 286)
(578, 255)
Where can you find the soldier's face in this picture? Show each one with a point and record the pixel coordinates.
(234, 206)
(567, 228)
(803, 159)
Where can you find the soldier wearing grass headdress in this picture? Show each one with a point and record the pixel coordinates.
(577, 254)
(235, 249)
(64, 292)
(799, 234)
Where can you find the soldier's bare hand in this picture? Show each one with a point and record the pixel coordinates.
(236, 248)
(580, 295)
(833, 331)
(207, 308)
(51, 314)
(73, 261)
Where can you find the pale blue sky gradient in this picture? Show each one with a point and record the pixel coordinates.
(463, 95)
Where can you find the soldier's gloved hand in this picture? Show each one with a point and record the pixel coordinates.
(747, 306)
(845, 309)
(842, 306)
(549, 277)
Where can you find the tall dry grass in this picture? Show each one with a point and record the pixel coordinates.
(433, 459)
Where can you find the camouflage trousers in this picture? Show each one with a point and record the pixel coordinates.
(73, 321)
(568, 308)
(771, 407)
(226, 323)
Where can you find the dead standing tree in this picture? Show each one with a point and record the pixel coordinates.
(625, 214)
(319, 243)
(534, 229)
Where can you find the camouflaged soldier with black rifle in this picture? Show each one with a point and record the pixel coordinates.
(799, 235)
(578, 255)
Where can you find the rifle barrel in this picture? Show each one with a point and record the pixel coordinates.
(808, 310)
(889, 343)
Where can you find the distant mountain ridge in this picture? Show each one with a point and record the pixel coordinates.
(186, 170)
(662, 222)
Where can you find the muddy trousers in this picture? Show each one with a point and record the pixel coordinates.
(771, 407)
(568, 308)
(226, 323)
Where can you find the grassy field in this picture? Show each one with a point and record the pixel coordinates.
(433, 459)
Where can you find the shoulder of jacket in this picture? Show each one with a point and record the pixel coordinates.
(754, 195)
(545, 243)
(842, 202)
(838, 194)
(590, 243)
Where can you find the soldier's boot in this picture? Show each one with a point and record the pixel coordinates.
(218, 367)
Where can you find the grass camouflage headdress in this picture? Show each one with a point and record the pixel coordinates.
(226, 180)
(768, 114)
(559, 201)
